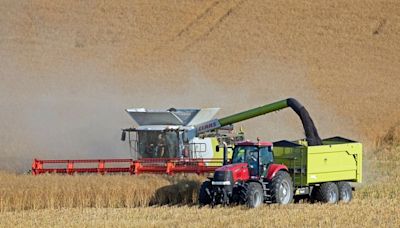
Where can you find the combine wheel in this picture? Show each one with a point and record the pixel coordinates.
(255, 195)
(281, 188)
(345, 192)
(204, 193)
(327, 193)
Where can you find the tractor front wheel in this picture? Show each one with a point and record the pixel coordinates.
(204, 193)
(281, 188)
(255, 195)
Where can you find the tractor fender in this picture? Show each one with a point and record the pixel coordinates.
(274, 168)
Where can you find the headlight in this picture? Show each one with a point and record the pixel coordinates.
(220, 182)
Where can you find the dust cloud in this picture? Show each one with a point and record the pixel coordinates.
(69, 69)
(83, 118)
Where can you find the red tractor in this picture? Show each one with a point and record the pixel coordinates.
(251, 178)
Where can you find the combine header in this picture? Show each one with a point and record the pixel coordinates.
(74, 166)
(146, 165)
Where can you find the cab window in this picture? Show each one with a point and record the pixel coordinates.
(266, 155)
(244, 154)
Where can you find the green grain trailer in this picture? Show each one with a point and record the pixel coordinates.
(336, 160)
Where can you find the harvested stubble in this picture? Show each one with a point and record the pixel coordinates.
(97, 201)
(24, 192)
(373, 206)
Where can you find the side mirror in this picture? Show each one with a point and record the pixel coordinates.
(123, 135)
(217, 148)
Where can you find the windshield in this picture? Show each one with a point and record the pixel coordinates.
(245, 154)
(158, 144)
(250, 153)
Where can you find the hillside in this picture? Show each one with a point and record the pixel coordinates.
(69, 69)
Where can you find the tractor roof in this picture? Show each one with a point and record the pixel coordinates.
(251, 143)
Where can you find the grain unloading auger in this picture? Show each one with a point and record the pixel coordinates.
(177, 141)
(310, 131)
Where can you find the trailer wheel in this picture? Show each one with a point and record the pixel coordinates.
(314, 193)
(281, 188)
(255, 195)
(204, 196)
(327, 193)
(345, 192)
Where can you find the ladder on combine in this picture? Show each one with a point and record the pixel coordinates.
(168, 166)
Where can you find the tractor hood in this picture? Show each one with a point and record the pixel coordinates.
(232, 167)
(240, 171)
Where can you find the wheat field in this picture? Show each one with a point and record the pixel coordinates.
(68, 69)
(153, 201)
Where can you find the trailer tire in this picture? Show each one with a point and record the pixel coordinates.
(314, 193)
(327, 193)
(255, 195)
(345, 191)
(281, 188)
(204, 197)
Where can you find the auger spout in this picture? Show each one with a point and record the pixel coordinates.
(308, 124)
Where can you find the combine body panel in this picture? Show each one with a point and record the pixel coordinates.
(338, 159)
(204, 148)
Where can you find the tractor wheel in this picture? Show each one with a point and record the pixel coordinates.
(255, 195)
(239, 194)
(327, 193)
(345, 192)
(281, 188)
(204, 197)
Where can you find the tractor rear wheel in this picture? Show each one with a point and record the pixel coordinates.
(281, 188)
(345, 192)
(204, 196)
(327, 193)
(255, 195)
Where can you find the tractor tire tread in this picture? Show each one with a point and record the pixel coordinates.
(275, 184)
(254, 188)
(204, 198)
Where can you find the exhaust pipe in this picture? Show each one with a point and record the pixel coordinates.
(123, 135)
(225, 153)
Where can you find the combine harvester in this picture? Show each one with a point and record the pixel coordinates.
(245, 172)
(165, 142)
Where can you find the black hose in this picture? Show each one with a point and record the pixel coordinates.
(310, 130)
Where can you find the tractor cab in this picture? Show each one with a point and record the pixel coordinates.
(258, 156)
